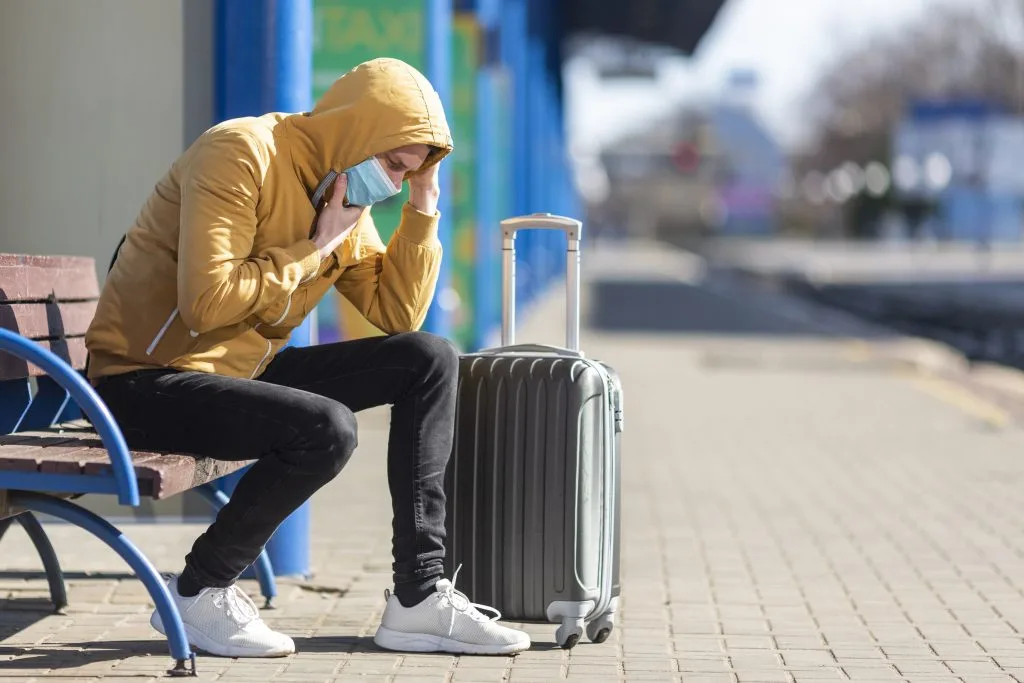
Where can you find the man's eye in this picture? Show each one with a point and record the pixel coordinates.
(396, 167)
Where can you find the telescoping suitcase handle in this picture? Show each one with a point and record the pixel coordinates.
(574, 231)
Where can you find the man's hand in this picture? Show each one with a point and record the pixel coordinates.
(336, 220)
(424, 190)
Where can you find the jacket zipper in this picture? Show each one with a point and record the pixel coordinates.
(270, 347)
(161, 333)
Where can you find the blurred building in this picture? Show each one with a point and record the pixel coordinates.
(962, 157)
(711, 169)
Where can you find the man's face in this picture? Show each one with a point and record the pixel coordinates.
(401, 160)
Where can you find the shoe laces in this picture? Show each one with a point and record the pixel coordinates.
(460, 602)
(237, 604)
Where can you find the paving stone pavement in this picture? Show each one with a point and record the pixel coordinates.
(793, 511)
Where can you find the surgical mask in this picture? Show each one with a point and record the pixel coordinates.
(369, 183)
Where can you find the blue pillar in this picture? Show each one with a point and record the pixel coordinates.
(539, 123)
(438, 72)
(486, 310)
(264, 55)
(514, 36)
(486, 290)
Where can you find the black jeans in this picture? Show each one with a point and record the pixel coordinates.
(297, 421)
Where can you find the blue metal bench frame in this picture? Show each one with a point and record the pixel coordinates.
(29, 492)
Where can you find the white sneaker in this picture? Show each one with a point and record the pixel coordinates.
(225, 622)
(446, 622)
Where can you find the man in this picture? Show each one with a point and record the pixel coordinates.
(234, 247)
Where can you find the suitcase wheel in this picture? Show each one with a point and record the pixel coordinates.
(600, 628)
(569, 633)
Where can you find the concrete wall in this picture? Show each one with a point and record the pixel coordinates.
(96, 99)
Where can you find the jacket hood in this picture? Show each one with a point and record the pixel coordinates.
(377, 106)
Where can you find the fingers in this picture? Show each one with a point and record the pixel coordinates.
(334, 199)
(340, 187)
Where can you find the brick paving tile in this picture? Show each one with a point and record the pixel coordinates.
(632, 664)
(872, 673)
(483, 663)
(767, 676)
(610, 669)
(478, 676)
(924, 666)
(795, 658)
(704, 663)
(527, 676)
(748, 642)
(972, 668)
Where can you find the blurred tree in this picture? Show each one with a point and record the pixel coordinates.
(952, 52)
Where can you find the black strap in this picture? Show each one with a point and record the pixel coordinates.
(117, 250)
(113, 258)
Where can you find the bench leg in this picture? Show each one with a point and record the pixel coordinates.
(54, 575)
(103, 530)
(264, 570)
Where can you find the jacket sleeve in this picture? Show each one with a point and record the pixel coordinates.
(220, 281)
(393, 286)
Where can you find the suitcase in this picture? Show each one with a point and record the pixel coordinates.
(533, 481)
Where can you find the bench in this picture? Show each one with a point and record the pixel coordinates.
(50, 455)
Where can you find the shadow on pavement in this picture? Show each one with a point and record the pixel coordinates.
(336, 644)
(29, 575)
(75, 655)
(681, 307)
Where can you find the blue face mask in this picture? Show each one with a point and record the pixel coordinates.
(369, 183)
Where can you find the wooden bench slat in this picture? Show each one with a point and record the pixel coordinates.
(22, 437)
(173, 474)
(162, 475)
(71, 350)
(37, 278)
(28, 460)
(71, 459)
(95, 468)
(27, 456)
(45, 260)
(42, 320)
(74, 449)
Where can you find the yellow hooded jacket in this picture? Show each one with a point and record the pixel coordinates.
(219, 268)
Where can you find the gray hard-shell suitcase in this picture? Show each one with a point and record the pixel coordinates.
(533, 481)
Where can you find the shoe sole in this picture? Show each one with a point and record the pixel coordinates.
(421, 642)
(199, 641)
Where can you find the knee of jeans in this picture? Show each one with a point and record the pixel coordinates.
(437, 355)
(337, 435)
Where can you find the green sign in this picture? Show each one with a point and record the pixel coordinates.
(465, 45)
(347, 33)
